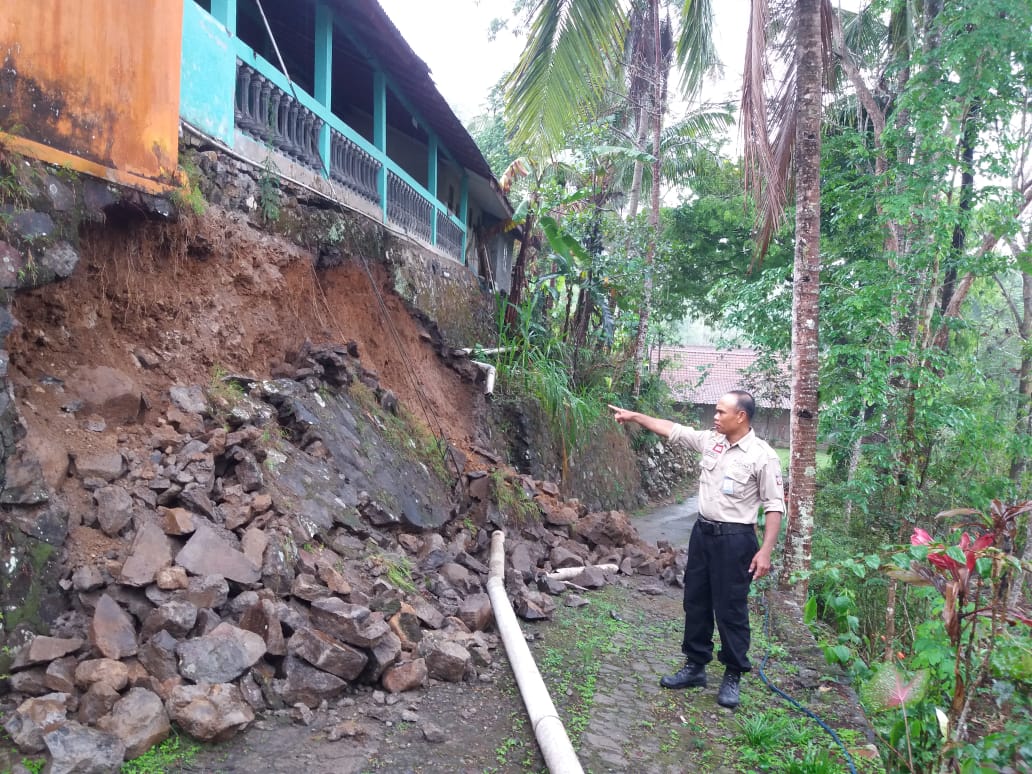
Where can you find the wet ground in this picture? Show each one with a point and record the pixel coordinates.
(672, 523)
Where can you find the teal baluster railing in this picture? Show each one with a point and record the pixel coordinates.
(276, 112)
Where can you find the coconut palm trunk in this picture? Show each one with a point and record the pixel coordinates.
(805, 292)
(657, 106)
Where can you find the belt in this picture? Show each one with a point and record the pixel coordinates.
(708, 527)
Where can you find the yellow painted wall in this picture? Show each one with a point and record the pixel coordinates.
(95, 79)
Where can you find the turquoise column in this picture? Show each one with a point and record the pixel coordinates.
(464, 212)
(431, 183)
(380, 134)
(226, 12)
(324, 74)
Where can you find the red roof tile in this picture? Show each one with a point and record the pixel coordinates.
(700, 375)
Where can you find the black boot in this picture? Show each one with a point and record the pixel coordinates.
(728, 695)
(691, 675)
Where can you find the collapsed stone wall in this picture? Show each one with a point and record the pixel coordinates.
(247, 553)
(46, 214)
(178, 541)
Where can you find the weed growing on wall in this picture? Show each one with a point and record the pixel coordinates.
(188, 198)
(269, 195)
(514, 503)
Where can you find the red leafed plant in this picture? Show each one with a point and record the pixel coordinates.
(974, 577)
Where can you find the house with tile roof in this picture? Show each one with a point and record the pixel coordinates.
(698, 375)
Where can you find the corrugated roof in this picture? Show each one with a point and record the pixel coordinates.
(701, 375)
(374, 28)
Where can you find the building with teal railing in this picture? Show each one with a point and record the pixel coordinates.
(328, 93)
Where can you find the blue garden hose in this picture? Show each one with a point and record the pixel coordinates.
(789, 699)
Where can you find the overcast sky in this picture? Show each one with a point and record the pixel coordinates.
(451, 36)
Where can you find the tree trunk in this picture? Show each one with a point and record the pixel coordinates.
(519, 275)
(855, 455)
(639, 165)
(805, 294)
(1023, 426)
(657, 105)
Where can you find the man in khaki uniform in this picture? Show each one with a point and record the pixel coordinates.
(739, 475)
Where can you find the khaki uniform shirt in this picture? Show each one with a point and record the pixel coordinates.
(735, 479)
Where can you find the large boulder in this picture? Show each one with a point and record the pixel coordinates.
(107, 391)
(208, 554)
(476, 612)
(177, 617)
(158, 656)
(112, 630)
(221, 656)
(323, 651)
(150, 552)
(353, 624)
(211, 713)
(114, 509)
(42, 650)
(139, 719)
(405, 676)
(307, 685)
(606, 529)
(108, 671)
(382, 655)
(78, 749)
(446, 659)
(35, 717)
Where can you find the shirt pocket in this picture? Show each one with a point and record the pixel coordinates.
(736, 481)
(708, 462)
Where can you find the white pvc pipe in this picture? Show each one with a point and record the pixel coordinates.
(568, 573)
(548, 728)
(491, 371)
(467, 351)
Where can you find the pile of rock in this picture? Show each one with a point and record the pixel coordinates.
(225, 597)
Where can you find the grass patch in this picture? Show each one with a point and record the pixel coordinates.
(167, 756)
(224, 393)
(823, 459)
(396, 568)
(514, 503)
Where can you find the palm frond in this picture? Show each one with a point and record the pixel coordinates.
(696, 53)
(685, 150)
(758, 157)
(571, 51)
(768, 160)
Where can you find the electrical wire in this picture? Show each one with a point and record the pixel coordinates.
(813, 716)
(424, 404)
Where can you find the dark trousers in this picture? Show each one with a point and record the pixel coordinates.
(716, 585)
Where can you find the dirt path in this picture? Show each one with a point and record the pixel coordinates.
(602, 663)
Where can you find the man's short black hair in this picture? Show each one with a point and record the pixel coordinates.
(745, 402)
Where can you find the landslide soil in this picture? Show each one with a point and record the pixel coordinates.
(178, 304)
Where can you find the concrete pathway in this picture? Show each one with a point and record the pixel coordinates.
(672, 523)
